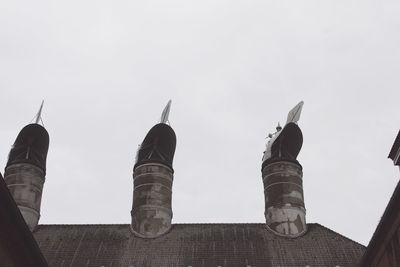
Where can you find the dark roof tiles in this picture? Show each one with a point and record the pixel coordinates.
(197, 245)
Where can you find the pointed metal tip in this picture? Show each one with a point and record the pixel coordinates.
(165, 113)
(294, 113)
(39, 114)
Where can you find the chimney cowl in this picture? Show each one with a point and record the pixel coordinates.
(152, 183)
(30, 146)
(158, 146)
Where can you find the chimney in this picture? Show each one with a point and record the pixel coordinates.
(282, 177)
(152, 181)
(26, 169)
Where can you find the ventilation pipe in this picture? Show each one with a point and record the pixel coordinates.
(152, 181)
(283, 179)
(26, 169)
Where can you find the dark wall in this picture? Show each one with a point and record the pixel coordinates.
(17, 244)
(384, 248)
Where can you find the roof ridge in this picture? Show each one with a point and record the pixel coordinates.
(121, 224)
(185, 223)
(82, 224)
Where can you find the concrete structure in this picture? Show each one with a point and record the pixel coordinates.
(152, 178)
(26, 169)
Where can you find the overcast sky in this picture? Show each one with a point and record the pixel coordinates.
(233, 69)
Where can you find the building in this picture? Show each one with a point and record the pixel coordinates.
(384, 247)
(151, 239)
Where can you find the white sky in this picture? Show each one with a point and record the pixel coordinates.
(233, 69)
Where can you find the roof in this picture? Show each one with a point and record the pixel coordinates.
(197, 245)
(17, 245)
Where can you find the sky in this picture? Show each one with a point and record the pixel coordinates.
(233, 70)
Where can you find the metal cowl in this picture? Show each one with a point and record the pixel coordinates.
(31, 146)
(152, 183)
(158, 146)
(26, 169)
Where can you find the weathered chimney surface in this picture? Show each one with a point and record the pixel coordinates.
(152, 178)
(26, 169)
(284, 200)
(283, 179)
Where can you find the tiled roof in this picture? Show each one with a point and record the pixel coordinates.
(197, 245)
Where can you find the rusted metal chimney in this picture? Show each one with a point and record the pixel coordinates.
(26, 169)
(152, 181)
(282, 177)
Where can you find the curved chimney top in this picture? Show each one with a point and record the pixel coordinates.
(287, 145)
(31, 146)
(158, 146)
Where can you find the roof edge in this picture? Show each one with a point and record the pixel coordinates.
(379, 239)
(339, 234)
